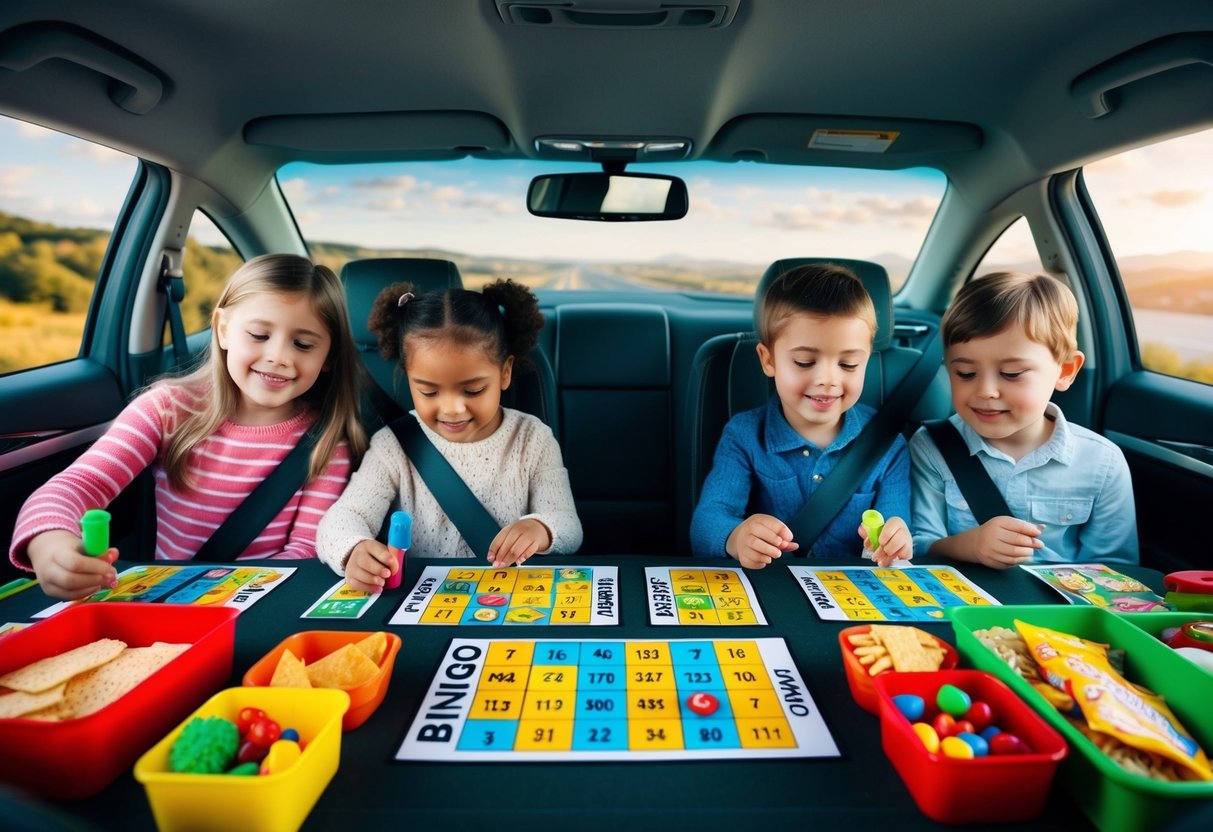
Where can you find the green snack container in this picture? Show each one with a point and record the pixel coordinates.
(1113, 798)
(95, 531)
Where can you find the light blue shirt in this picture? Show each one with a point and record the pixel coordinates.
(763, 466)
(1076, 485)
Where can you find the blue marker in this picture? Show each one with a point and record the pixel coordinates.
(399, 538)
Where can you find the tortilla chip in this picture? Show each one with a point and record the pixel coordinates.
(346, 667)
(374, 646)
(92, 690)
(18, 703)
(55, 670)
(290, 672)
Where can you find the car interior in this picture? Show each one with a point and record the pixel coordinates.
(235, 114)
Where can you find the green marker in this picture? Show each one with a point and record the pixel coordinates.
(95, 531)
(873, 521)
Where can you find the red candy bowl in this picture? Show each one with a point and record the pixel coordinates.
(996, 788)
(862, 684)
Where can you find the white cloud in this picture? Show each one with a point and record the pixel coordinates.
(295, 190)
(34, 132)
(97, 153)
(403, 183)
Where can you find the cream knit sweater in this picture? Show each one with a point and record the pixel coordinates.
(516, 472)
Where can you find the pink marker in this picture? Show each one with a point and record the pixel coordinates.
(399, 538)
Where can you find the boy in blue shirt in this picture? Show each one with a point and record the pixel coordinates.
(1010, 341)
(817, 325)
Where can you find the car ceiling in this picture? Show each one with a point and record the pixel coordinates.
(251, 84)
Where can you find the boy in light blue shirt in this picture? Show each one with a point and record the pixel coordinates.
(817, 325)
(1009, 341)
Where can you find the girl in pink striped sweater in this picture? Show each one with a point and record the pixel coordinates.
(282, 361)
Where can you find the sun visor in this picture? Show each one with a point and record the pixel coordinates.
(841, 140)
(428, 134)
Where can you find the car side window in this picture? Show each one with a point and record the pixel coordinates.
(1156, 207)
(59, 199)
(209, 260)
(1014, 250)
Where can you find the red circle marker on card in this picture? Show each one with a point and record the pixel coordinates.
(703, 704)
(492, 600)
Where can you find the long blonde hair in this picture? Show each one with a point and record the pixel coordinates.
(335, 394)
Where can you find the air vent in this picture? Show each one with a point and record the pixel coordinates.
(618, 14)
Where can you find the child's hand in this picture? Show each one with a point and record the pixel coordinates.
(895, 542)
(369, 566)
(64, 571)
(758, 540)
(1003, 542)
(518, 541)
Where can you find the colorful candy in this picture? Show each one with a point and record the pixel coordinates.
(980, 747)
(911, 706)
(980, 714)
(952, 700)
(928, 736)
(1004, 743)
(956, 748)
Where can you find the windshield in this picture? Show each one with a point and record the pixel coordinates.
(742, 217)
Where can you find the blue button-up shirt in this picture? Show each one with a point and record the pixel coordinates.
(1076, 485)
(763, 466)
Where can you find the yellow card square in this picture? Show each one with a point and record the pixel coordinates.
(654, 734)
(575, 615)
(648, 652)
(531, 600)
(572, 587)
(698, 617)
(765, 733)
(497, 580)
(738, 617)
(755, 703)
(510, 652)
(544, 735)
(503, 677)
(736, 652)
(441, 615)
(653, 704)
(553, 677)
(544, 705)
(448, 599)
(651, 677)
(746, 677)
(678, 576)
(493, 704)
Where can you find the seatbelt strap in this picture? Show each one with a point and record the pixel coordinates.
(173, 287)
(466, 511)
(972, 478)
(262, 505)
(866, 450)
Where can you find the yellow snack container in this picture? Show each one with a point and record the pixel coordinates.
(277, 802)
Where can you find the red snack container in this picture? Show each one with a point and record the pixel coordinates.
(313, 645)
(77, 758)
(991, 789)
(863, 685)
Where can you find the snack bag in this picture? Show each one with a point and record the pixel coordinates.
(1109, 703)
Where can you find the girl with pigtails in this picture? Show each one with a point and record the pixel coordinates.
(458, 349)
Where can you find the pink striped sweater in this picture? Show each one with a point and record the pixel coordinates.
(225, 467)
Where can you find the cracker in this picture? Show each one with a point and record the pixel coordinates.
(55, 670)
(92, 690)
(290, 672)
(18, 703)
(346, 667)
(904, 648)
(55, 713)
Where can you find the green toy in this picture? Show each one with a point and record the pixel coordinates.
(873, 521)
(95, 532)
(206, 746)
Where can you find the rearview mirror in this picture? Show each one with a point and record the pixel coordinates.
(610, 197)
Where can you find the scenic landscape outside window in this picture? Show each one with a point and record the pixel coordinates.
(209, 261)
(742, 218)
(59, 198)
(1156, 206)
(1013, 251)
